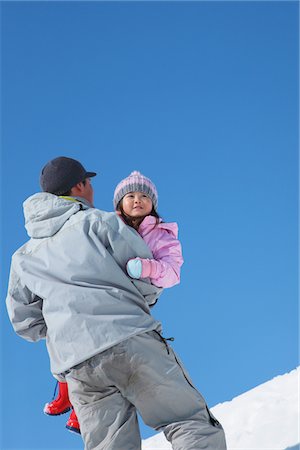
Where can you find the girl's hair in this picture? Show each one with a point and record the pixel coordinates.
(135, 222)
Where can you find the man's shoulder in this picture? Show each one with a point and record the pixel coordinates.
(26, 249)
(99, 214)
(109, 218)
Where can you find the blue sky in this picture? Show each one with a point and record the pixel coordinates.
(202, 97)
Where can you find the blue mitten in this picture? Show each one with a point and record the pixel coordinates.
(134, 268)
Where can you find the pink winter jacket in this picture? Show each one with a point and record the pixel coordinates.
(161, 238)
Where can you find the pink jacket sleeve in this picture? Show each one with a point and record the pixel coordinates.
(164, 269)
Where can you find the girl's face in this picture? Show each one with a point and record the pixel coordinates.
(136, 204)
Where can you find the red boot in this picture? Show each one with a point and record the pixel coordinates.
(73, 424)
(61, 404)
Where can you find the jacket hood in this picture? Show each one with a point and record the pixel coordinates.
(46, 213)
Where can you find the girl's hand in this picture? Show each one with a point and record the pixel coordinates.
(134, 268)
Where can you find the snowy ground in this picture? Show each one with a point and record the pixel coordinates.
(264, 418)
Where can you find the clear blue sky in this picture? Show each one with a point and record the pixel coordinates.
(202, 97)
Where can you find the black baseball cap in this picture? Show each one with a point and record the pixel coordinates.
(61, 174)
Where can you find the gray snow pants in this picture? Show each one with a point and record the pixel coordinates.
(144, 374)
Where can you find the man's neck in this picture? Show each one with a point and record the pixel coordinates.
(84, 201)
(78, 199)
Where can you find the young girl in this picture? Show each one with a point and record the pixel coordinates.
(135, 201)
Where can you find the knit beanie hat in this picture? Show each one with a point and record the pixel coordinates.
(136, 182)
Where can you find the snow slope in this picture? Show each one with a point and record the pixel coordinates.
(264, 418)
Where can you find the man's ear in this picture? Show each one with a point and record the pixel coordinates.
(77, 189)
(80, 185)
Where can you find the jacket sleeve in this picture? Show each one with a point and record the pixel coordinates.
(25, 310)
(164, 269)
(124, 243)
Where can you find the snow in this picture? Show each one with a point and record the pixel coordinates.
(264, 418)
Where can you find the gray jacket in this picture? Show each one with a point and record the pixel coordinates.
(69, 284)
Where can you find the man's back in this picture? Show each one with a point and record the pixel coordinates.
(72, 272)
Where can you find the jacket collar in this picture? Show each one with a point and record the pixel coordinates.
(77, 199)
(147, 224)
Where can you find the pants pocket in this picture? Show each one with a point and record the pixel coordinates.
(211, 417)
(185, 374)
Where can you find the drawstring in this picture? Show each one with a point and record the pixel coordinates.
(169, 339)
(165, 340)
(54, 395)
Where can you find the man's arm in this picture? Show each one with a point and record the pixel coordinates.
(25, 310)
(124, 243)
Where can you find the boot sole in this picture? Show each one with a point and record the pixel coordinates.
(73, 430)
(58, 414)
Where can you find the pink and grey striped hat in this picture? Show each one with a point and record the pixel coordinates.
(136, 182)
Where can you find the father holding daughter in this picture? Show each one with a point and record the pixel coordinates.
(85, 281)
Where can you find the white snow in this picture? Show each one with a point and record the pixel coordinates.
(264, 418)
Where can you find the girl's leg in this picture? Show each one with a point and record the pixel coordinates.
(72, 423)
(61, 404)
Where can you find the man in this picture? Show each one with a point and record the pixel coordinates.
(69, 284)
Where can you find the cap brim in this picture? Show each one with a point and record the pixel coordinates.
(90, 174)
